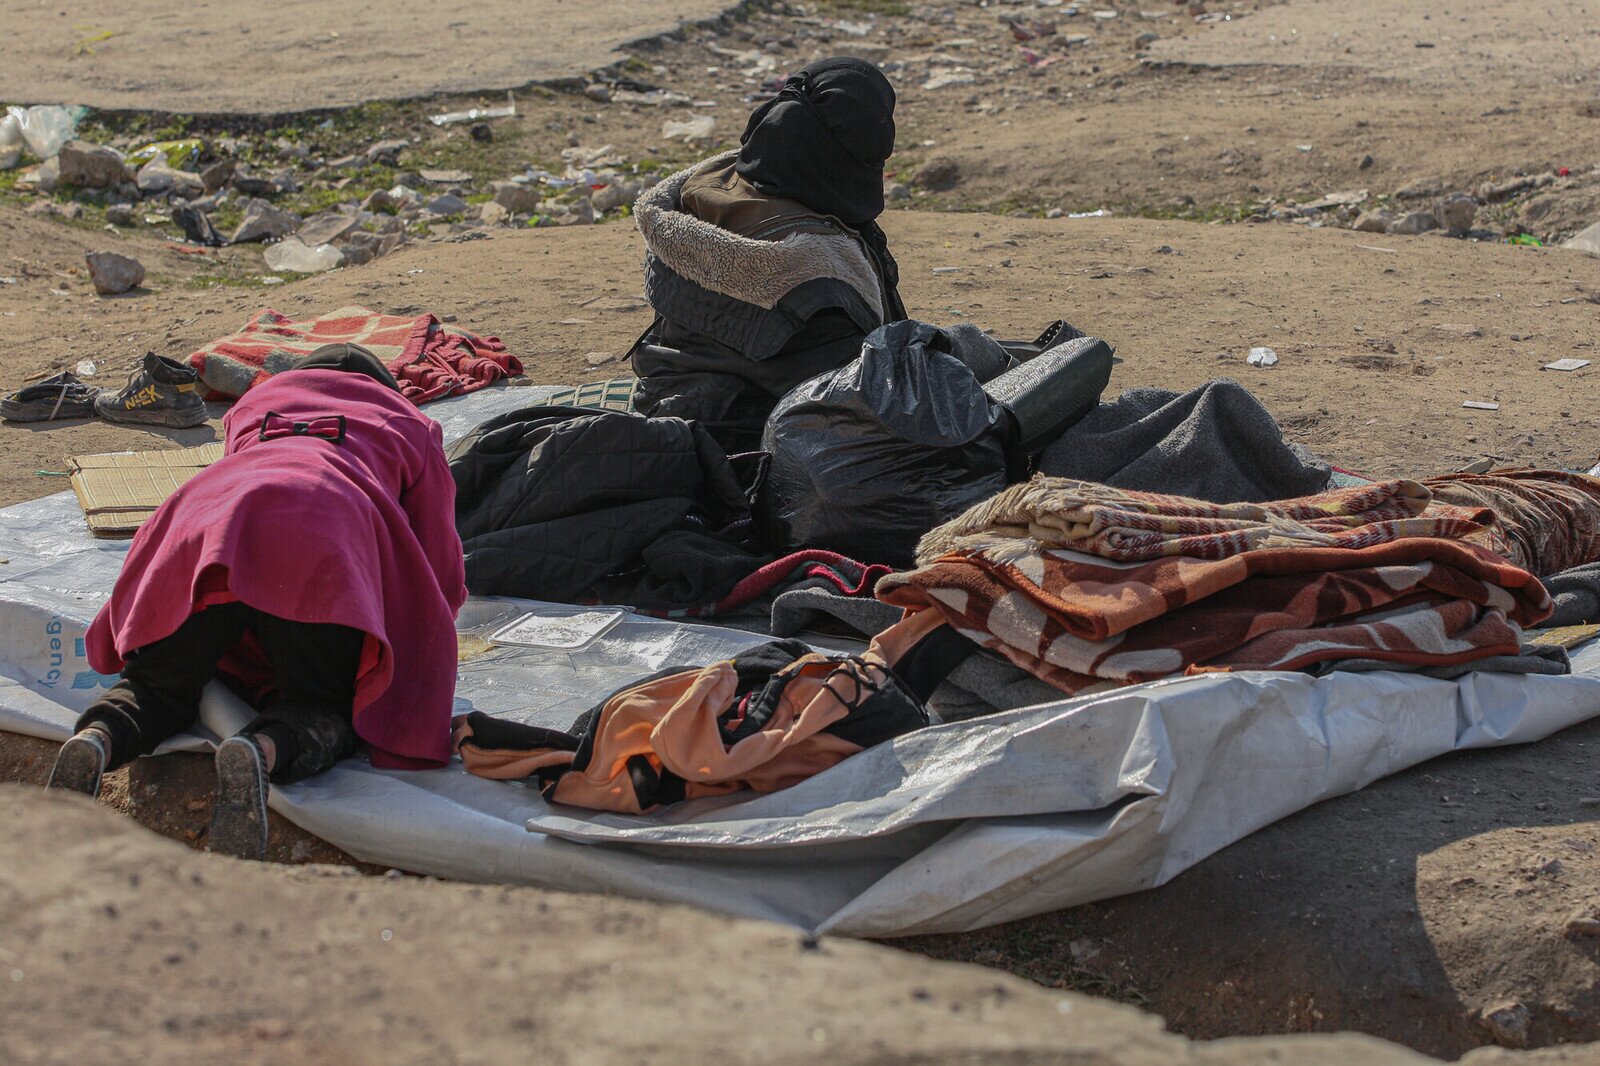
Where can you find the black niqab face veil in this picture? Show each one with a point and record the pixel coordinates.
(824, 140)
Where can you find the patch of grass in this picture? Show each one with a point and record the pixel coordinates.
(241, 281)
(885, 8)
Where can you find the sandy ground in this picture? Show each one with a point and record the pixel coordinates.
(218, 960)
(1380, 339)
(1476, 44)
(233, 57)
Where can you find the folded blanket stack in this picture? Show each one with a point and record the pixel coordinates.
(1087, 586)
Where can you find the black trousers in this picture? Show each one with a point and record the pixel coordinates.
(308, 716)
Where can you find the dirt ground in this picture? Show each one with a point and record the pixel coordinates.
(233, 57)
(222, 961)
(1380, 339)
(1435, 909)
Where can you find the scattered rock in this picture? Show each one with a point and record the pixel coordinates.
(293, 254)
(113, 273)
(1054, 213)
(1365, 164)
(517, 198)
(156, 177)
(580, 214)
(1586, 241)
(218, 174)
(1422, 189)
(90, 166)
(363, 247)
(381, 200)
(250, 184)
(120, 215)
(327, 227)
(1586, 922)
(196, 225)
(448, 204)
(386, 153)
(1456, 214)
(612, 197)
(600, 358)
(1146, 39)
(947, 79)
(494, 214)
(1338, 199)
(939, 174)
(1494, 192)
(263, 222)
(446, 177)
(1378, 220)
(47, 175)
(598, 92)
(1413, 223)
(897, 191)
(480, 132)
(1508, 1024)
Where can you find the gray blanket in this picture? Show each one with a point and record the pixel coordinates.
(1213, 443)
(1577, 595)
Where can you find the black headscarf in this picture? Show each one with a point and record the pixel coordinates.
(352, 359)
(823, 140)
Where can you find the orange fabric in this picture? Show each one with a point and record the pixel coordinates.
(498, 764)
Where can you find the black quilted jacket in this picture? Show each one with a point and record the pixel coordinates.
(554, 503)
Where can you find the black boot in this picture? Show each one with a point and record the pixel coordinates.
(163, 393)
(239, 816)
(81, 763)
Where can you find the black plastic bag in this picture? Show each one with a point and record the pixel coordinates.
(869, 457)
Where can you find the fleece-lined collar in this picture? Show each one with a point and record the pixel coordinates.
(755, 271)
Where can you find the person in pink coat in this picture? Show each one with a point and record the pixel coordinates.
(317, 569)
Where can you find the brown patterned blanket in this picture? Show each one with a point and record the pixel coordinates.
(1085, 586)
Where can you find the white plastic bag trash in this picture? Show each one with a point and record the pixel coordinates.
(10, 141)
(45, 127)
(1262, 357)
(293, 254)
(695, 128)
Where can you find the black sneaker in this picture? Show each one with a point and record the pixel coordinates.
(62, 396)
(81, 763)
(239, 815)
(163, 393)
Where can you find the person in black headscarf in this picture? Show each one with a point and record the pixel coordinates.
(766, 266)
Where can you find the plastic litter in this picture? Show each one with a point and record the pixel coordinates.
(476, 114)
(1567, 364)
(695, 128)
(293, 254)
(1097, 213)
(10, 141)
(179, 155)
(1480, 405)
(1262, 357)
(46, 127)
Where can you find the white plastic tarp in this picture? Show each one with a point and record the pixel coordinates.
(954, 827)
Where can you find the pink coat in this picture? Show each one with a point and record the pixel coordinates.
(360, 533)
